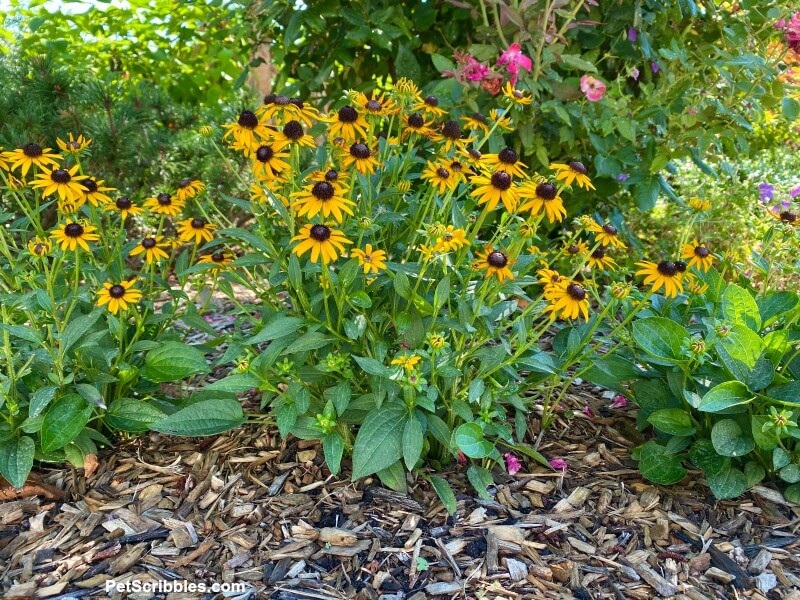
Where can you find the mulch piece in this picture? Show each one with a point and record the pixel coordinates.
(249, 508)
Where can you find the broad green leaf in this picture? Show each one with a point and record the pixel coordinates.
(445, 493)
(480, 479)
(64, 420)
(16, 460)
(780, 458)
(674, 421)
(280, 327)
(310, 341)
(394, 477)
(413, 439)
(40, 399)
(208, 417)
(729, 439)
(173, 361)
(379, 442)
(776, 304)
(333, 448)
(739, 306)
(469, 438)
(743, 344)
(729, 482)
(372, 366)
(726, 396)
(661, 338)
(754, 473)
(792, 493)
(361, 299)
(285, 418)
(77, 328)
(658, 466)
(704, 457)
(130, 414)
(790, 473)
(237, 382)
(341, 395)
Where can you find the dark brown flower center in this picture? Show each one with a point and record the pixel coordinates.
(479, 117)
(451, 130)
(788, 216)
(573, 249)
(320, 233)
(432, 101)
(39, 249)
(442, 173)
(501, 180)
(348, 114)
(701, 251)
(507, 156)
(248, 119)
(32, 150)
(198, 223)
(281, 100)
(518, 95)
(116, 291)
(578, 167)
(164, 199)
(374, 106)
(61, 176)
(183, 183)
(90, 185)
(610, 229)
(297, 102)
(416, 121)
(576, 292)
(148, 243)
(124, 203)
(331, 175)
(667, 268)
(455, 166)
(360, 151)
(599, 254)
(322, 190)
(73, 230)
(293, 130)
(218, 257)
(546, 191)
(497, 259)
(680, 266)
(270, 99)
(474, 154)
(264, 154)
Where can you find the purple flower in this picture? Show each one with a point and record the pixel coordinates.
(795, 192)
(622, 177)
(784, 205)
(766, 191)
(654, 67)
(587, 411)
(559, 464)
(619, 402)
(632, 34)
(512, 463)
(635, 73)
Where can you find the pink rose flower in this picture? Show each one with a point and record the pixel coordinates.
(559, 464)
(475, 71)
(593, 88)
(513, 59)
(512, 463)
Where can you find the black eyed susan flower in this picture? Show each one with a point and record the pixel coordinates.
(495, 263)
(71, 235)
(3, 164)
(305, 113)
(69, 207)
(31, 155)
(293, 133)
(267, 162)
(472, 157)
(459, 169)
(118, 296)
(569, 299)
(698, 255)
(377, 105)
(572, 171)
(543, 197)
(528, 229)
(40, 247)
(506, 160)
(695, 285)
(549, 278)
(600, 260)
(476, 122)
(451, 239)
(323, 242)
(699, 204)
(153, 249)
(124, 206)
(248, 131)
(516, 96)
(620, 290)
(219, 259)
(407, 361)
(415, 124)
(786, 216)
(258, 192)
(283, 109)
(322, 197)
(73, 145)
(606, 235)
(348, 124)
(436, 340)
(441, 178)
(189, 188)
(406, 88)
(450, 136)
(196, 230)
(501, 119)
(360, 155)
(65, 183)
(578, 248)
(429, 105)
(665, 274)
(370, 258)
(95, 191)
(164, 204)
(495, 189)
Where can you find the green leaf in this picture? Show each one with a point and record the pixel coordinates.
(444, 492)
(40, 399)
(704, 457)
(729, 482)
(379, 442)
(790, 473)
(438, 429)
(64, 420)
(310, 341)
(361, 299)
(480, 479)
(77, 329)
(674, 421)
(280, 327)
(16, 460)
(237, 382)
(739, 306)
(791, 108)
(776, 304)
(754, 473)
(442, 293)
(577, 62)
(286, 418)
(394, 477)
(413, 438)
(469, 439)
(729, 439)
(130, 414)
(792, 493)
(661, 338)
(658, 466)
(406, 64)
(402, 285)
(726, 396)
(341, 397)
(442, 63)
(372, 366)
(333, 448)
(208, 417)
(780, 458)
(23, 332)
(741, 344)
(173, 361)
(91, 394)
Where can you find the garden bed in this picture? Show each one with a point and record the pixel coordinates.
(247, 507)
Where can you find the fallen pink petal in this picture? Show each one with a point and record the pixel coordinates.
(559, 464)
(513, 466)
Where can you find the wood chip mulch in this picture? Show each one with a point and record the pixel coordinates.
(250, 509)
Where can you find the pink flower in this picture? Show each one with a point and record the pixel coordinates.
(593, 88)
(619, 402)
(475, 71)
(512, 463)
(635, 73)
(793, 32)
(559, 464)
(513, 59)
(587, 411)
(462, 458)
(632, 34)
